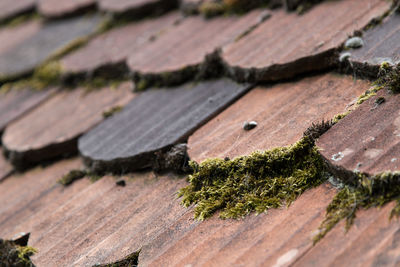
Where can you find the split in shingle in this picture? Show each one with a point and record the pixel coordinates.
(68, 114)
(153, 122)
(24, 56)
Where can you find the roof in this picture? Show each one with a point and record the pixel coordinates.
(123, 93)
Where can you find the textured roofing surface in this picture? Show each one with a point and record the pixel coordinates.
(154, 121)
(381, 43)
(373, 150)
(133, 45)
(15, 103)
(68, 115)
(110, 50)
(293, 44)
(283, 112)
(22, 57)
(11, 8)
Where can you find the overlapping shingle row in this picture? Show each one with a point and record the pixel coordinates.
(89, 223)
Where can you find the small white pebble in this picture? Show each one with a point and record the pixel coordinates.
(393, 159)
(337, 157)
(354, 42)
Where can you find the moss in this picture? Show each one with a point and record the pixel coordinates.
(14, 255)
(110, 112)
(212, 9)
(340, 116)
(258, 182)
(130, 261)
(389, 77)
(46, 75)
(72, 176)
(366, 192)
(16, 21)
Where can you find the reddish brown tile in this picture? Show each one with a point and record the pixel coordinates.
(289, 44)
(11, 8)
(283, 112)
(68, 114)
(12, 36)
(24, 195)
(365, 244)
(16, 103)
(381, 43)
(187, 49)
(108, 52)
(136, 7)
(56, 8)
(366, 140)
(22, 57)
(153, 122)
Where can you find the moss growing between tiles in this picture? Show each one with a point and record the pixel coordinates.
(16, 21)
(72, 176)
(110, 112)
(130, 261)
(367, 192)
(218, 7)
(14, 255)
(257, 182)
(389, 77)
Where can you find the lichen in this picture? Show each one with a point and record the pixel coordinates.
(72, 176)
(258, 182)
(365, 192)
(14, 255)
(131, 260)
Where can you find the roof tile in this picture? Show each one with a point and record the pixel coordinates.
(11, 8)
(15, 103)
(381, 43)
(109, 51)
(11, 36)
(153, 121)
(283, 112)
(188, 45)
(68, 115)
(293, 44)
(373, 149)
(24, 56)
(363, 245)
(58, 8)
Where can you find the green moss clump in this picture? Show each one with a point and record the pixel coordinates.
(212, 9)
(72, 176)
(257, 182)
(44, 76)
(108, 113)
(389, 77)
(16, 21)
(365, 192)
(130, 261)
(14, 255)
